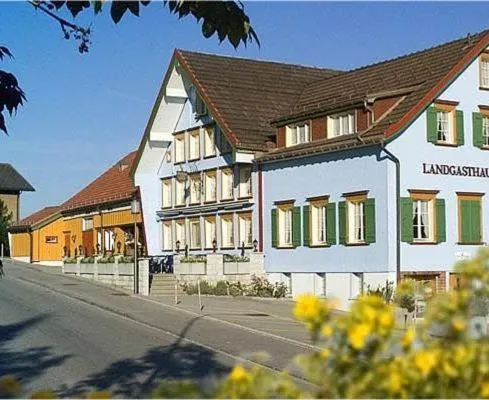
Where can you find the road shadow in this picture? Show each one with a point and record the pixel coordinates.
(30, 363)
(138, 377)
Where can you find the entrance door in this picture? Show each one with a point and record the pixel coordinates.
(87, 242)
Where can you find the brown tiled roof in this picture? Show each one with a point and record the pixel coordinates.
(245, 95)
(112, 186)
(37, 217)
(424, 74)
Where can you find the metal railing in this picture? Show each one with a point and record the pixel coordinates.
(161, 264)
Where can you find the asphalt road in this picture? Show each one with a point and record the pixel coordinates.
(72, 336)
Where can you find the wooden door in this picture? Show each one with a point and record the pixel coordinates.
(87, 242)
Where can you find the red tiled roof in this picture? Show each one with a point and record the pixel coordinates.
(37, 217)
(113, 185)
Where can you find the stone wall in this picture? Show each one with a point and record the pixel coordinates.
(215, 269)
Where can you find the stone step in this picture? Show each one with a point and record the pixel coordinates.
(164, 277)
(162, 292)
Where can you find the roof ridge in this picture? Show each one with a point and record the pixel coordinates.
(318, 68)
(417, 52)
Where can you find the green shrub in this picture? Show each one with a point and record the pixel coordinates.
(194, 259)
(206, 288)
(236, 289)
(126, 260)
(87, 260)
(106, 260)
(70, 260)
(280, 290)
(386, 292)
(221, 288)
(233, 258)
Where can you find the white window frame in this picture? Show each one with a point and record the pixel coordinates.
(166, 192)
(297, 134)
(195, 185)
(167, 244)
(284, 228)
(195, 237)
(227, 184)
(341, 124)
(210, 188)
(245, 224)
(425, 210)
(210, 231)
(194, 145)
(356, 221)
(245, 184)
(318, 223)
(179, 148)
(109, 242)
(209, 142)
(180, 198)
(227, 231)
(180, 233)
(87, 224)
(445, 126)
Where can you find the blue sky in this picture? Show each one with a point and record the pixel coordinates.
(84, 112)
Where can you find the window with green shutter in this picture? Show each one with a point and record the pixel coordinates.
(342, 221)
(445, 124)
(296, 226)
(306, 225)
(274, 228)
(406, 219)
(441, 235)
(331, 223)
(470, 219)
(370, 221)
(431, 131)
(459, 117)
(477, 133)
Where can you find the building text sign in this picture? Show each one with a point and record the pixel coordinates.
(456, 170)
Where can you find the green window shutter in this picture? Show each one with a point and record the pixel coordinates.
(342, 216)
(370, 220)
(478, 140)
(274, 228)
(406, 219)
(465, 208)
(441, 235)
(475, 221)
(306, 239)
(296, 226)
(431, 132)
(459, 116)
(331, 223)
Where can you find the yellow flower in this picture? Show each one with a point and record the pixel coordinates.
(238, 374)
(425, 360)
(485, 389)
(395, 382)
(408, 338)
(358, 334)
(460, 354)
(386, 320)
(449, 369)
(307, 307)
(458, 324)
(325, 353)
(9, 385)
(46, 394)
(327, 331)
(369, 313)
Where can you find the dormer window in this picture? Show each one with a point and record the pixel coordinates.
(297, 134)
(200, 107)
(484, 71)
(341, 124)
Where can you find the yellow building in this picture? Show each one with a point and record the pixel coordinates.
(96, 220)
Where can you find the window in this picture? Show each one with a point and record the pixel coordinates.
(200, 107)
(194, 145)
(210, 231)
(87, 224)
(341, 124)
(485, 130)
(210, 186)
(195, 188)
(167, 236)
(484, 71)
(245, 230)
(209, 142)
(318, 223)
(225, 145)
(179, 193)
(227, 184)
(51, 239)
(445, 124)
(109, 240)
(244, 181)
(480, 126)
(166, 193)
(470, 218)
(180, 148)
(422, 220)
(286, 225)
(227, 230)
(180, 235)
(195, 241)
(297, 134)
(356, 219)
